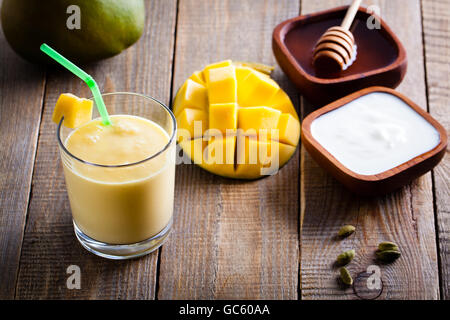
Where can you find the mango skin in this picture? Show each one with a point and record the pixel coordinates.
(107, 28)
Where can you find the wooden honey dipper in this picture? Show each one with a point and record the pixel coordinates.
(335, 49)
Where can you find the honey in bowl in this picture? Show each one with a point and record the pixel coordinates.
(374, 50)
(380, 59)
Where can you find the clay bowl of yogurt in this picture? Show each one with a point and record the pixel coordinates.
(374, 141)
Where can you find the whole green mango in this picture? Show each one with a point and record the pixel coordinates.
(82, 30)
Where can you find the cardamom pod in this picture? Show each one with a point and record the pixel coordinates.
(387, 245)
(346, 230)
(388, 255)
(345, 257)
(345, 276)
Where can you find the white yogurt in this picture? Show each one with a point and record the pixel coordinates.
(374, 133)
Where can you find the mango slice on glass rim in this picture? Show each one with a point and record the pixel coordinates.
(76, 111)
(246, 126)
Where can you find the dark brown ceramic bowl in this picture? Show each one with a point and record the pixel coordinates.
(381, 58)
(386, 181)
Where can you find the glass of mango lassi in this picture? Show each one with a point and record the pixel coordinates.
(120, 177)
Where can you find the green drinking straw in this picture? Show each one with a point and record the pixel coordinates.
(83, 76)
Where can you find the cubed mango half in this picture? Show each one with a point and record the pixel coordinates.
(249, 126)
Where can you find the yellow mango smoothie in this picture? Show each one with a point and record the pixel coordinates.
(122, 191)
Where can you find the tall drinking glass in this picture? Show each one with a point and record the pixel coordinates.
(122, 210)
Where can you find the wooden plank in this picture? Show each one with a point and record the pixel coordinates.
(405, 217)
(436, 29)
(232, 239)
(49, 245)
(21, 97)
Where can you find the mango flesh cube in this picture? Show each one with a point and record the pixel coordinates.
(194, 149)
(76, 111)
(221, 84)
(220, 64)
(223, 116)
(288, 129)
(255, 158)
(218, 156)
(191, 95)
(194, 121)
(242, 86)
(241, 74)
(215, 156)
(256, 89)
(258, 118)
(197, 76)
(247, 157)
(282, 102)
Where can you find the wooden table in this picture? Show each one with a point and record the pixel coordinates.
(267, 239)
